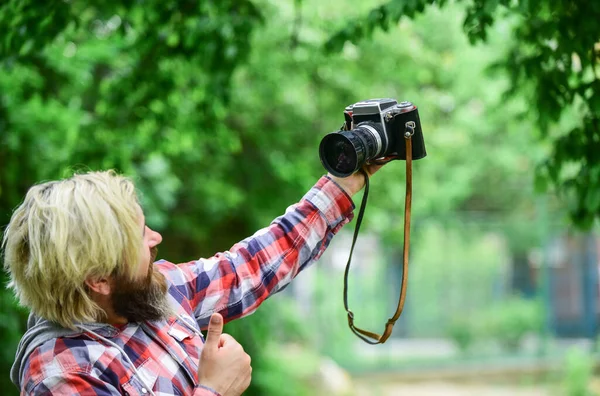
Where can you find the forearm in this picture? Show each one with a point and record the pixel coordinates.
(234, 283)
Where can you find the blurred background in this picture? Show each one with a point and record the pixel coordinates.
(216, 109)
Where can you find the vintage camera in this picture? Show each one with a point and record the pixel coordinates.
(372, 129)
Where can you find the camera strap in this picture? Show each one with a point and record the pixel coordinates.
(367, 336)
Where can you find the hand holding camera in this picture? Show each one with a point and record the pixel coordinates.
(356, 181)
(373, 129)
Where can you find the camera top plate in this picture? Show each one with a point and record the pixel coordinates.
(372, 106)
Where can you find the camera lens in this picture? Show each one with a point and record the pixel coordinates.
(340, 153)
(343, 153)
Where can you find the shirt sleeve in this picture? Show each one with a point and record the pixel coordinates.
(234, 283)
(77, 383)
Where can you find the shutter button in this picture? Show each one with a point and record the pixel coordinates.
(144, 391)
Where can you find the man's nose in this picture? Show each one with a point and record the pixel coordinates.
(155, 238)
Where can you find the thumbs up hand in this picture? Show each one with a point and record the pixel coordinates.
(224, 366)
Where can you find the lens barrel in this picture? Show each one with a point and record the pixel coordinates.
(343, 153)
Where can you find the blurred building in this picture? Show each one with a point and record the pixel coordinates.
(571, 280)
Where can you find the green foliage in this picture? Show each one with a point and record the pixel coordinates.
(127, 86)
(278, 343)
(505, 321)
(553, 61)
(11, 329)
(288, 370)
(510, 320)
(578, 371)
(372, 296)
(463, 332)
(466, 286)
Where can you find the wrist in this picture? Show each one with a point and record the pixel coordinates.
(349, 184)
(205, 390)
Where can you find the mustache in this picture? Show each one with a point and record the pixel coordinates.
(151, 269)
(153, 254)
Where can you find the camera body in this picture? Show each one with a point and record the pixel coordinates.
(393, 117)
(372, 129)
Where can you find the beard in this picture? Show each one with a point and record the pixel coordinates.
(142, 300)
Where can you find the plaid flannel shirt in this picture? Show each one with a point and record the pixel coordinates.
(233, 283)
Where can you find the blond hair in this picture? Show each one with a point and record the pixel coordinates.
(65, 232)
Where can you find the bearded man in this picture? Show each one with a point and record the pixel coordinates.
(107, 320)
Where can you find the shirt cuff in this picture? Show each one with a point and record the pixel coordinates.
(201, 390)
(332, 201)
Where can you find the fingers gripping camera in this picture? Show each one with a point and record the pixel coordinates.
(373, 129)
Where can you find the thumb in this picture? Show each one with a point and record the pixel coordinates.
(215, 329)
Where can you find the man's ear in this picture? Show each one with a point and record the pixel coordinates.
(98, 285)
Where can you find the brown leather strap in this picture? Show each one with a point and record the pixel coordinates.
(367, 336)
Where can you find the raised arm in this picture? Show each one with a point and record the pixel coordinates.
(234, 283)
